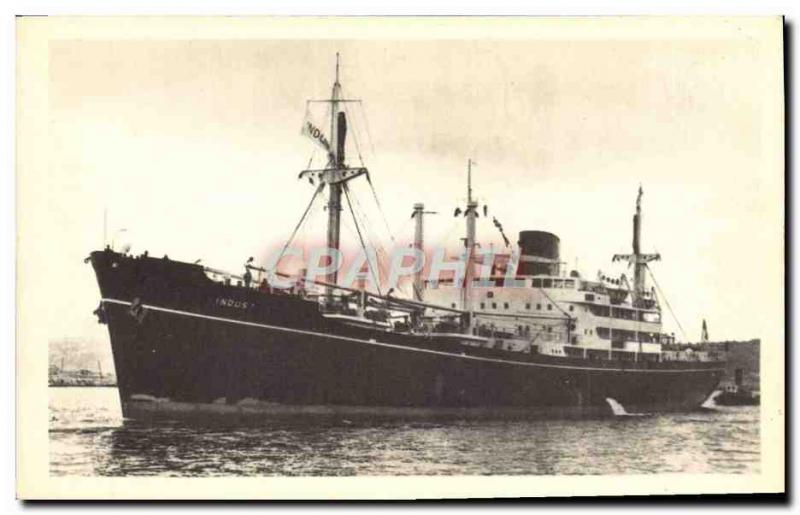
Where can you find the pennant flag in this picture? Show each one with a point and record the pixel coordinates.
(310, 130)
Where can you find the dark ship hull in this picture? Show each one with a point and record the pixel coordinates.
(186, 345)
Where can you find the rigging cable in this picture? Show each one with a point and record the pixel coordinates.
(555, 304)
(359, 213)
(380, 208)
(365, 220)
(361, 239)
(311, 159)
(446, 235)
(372, 236)
(369, 179)
(302, 218)
(666, 301)
(354, 134)
(366, 126)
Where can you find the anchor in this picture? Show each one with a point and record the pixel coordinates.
(137, 310)
(100, 313)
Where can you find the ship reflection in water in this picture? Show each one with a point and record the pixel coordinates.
(88, 437)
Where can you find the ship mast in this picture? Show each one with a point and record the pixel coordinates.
(419, 243)
(335, 163)
(335, 175)
(471, 214)
(637, 259)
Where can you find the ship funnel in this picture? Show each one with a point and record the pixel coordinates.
(341, 134)
(539, 253)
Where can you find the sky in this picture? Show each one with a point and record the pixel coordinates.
(193, 146)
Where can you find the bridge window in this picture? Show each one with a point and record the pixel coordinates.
(505, 305)
(483, 305)
(490, 295)
(547, 283)
(604, 332)
(536, 283)
(494, 305)
(589, 297)
(571, 307)
(539, 306)
(527, 305)
(569, 283)
(549, 307)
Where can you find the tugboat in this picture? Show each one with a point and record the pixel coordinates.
(528, 339)
(735, 395)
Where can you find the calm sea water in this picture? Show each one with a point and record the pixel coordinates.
(89, 437)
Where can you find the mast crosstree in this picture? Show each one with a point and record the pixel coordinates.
(637, 259)
(335, 174)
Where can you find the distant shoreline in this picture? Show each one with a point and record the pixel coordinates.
(54, 385)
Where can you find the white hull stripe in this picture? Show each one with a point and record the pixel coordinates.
(401, 347)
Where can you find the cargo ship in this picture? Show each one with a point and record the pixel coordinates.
(529, 339)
